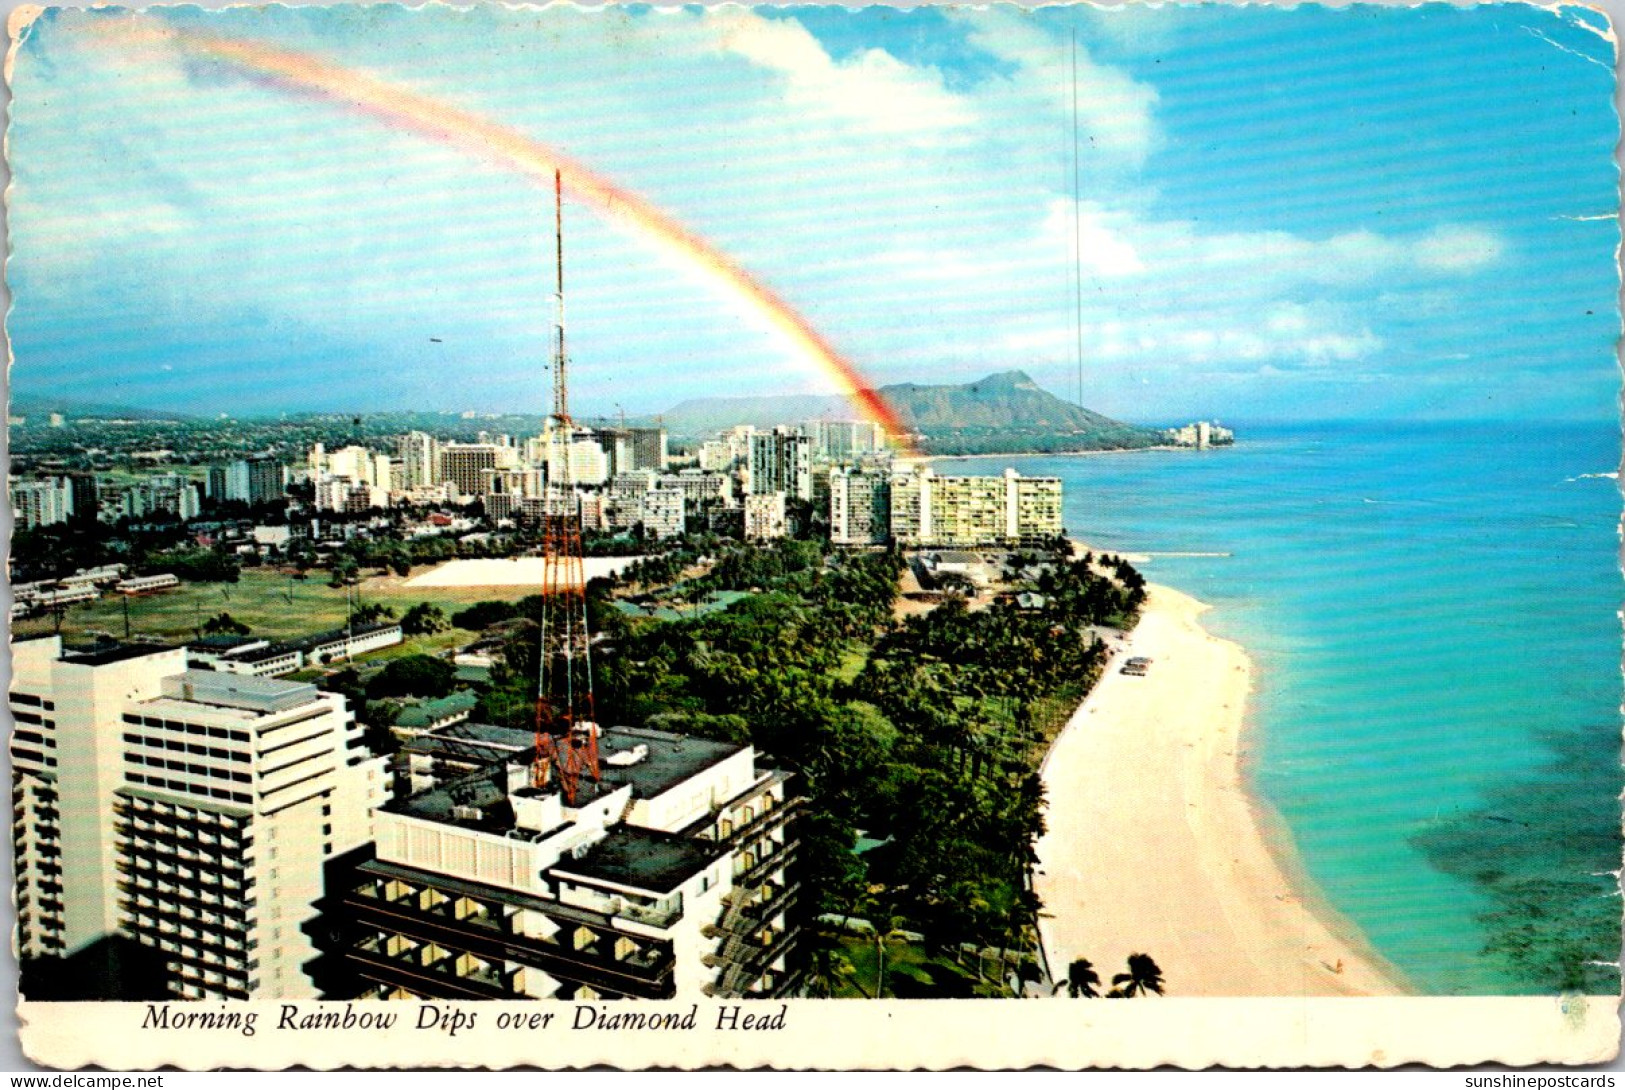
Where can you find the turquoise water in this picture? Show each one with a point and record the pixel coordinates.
(1431, 611)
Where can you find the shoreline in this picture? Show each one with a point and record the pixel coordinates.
(1066, 453)
(1157, 843)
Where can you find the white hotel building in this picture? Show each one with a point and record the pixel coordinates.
(188, 810)
(669, 877)
(967, 511)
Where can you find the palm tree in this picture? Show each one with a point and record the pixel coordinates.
(1143, 976)
(885, 932)
(1082, 981)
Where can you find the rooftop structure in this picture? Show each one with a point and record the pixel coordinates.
(665, 877)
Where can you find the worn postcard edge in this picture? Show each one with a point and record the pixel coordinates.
(874, 1034)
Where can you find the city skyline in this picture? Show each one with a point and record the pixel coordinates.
(1430, 276)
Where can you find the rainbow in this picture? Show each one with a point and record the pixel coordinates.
(508, 149)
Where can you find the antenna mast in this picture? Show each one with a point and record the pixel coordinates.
(561, 400)
(1077, 227)
(566, 728)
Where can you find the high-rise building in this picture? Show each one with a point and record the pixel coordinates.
(420, 460)
(355, 463)
(781, 461)
(1010, 509)
(267, 480)
(623, 505)
(844, 440)
(619, 454)
(589, 464)
(859, 508)
(666, 877)
(464, 464)
(188, 810)
(44, 502)
(216, 485)
(648, 449)
(252, 480)
(715, 455)
(168, 492)
(85, 495)
(510, 493)
(698, 487)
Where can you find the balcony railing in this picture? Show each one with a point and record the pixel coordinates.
(648, 975)
(764, 822)
(768, 864)
(620, 906)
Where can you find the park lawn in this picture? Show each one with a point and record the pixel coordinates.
(261, 600)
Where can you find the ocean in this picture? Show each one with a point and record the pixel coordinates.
(1432, 615)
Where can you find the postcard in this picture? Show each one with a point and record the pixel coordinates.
(814, 537)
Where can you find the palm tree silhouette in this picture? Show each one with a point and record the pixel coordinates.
(1143, 976)
(1081, 980)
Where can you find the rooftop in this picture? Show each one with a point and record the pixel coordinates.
(485, 791)
(222, 700)
(424, 712)
(671, 758)
(642, 858)
(307, 643)
(223, 642)
(956, 556)
(480, 742)
(105, 654)
(262, 654)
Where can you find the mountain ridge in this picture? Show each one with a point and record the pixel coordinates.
(1004, 412)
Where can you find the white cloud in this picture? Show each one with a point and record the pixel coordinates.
(1115, 112)
(925, 231)
(873, 89)
(1458, 249)
(1091, 231)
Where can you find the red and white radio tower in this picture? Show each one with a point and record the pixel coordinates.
(566, 728)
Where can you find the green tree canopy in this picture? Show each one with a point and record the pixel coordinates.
(423, 619)
(415, 675)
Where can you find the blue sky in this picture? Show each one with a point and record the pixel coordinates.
(1285, 213)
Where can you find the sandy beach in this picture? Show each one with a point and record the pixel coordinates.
(1155, 846)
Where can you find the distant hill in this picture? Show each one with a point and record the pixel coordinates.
(1002, 413)
(31, 405)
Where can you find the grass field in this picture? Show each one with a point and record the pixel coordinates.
(268, 603)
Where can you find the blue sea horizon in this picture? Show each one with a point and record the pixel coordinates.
(1431, 609)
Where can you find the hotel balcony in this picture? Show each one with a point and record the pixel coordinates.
(443, 974)
(743, 914)
(764, 823)
(645, 974)
(750, 961)
(765, 866)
